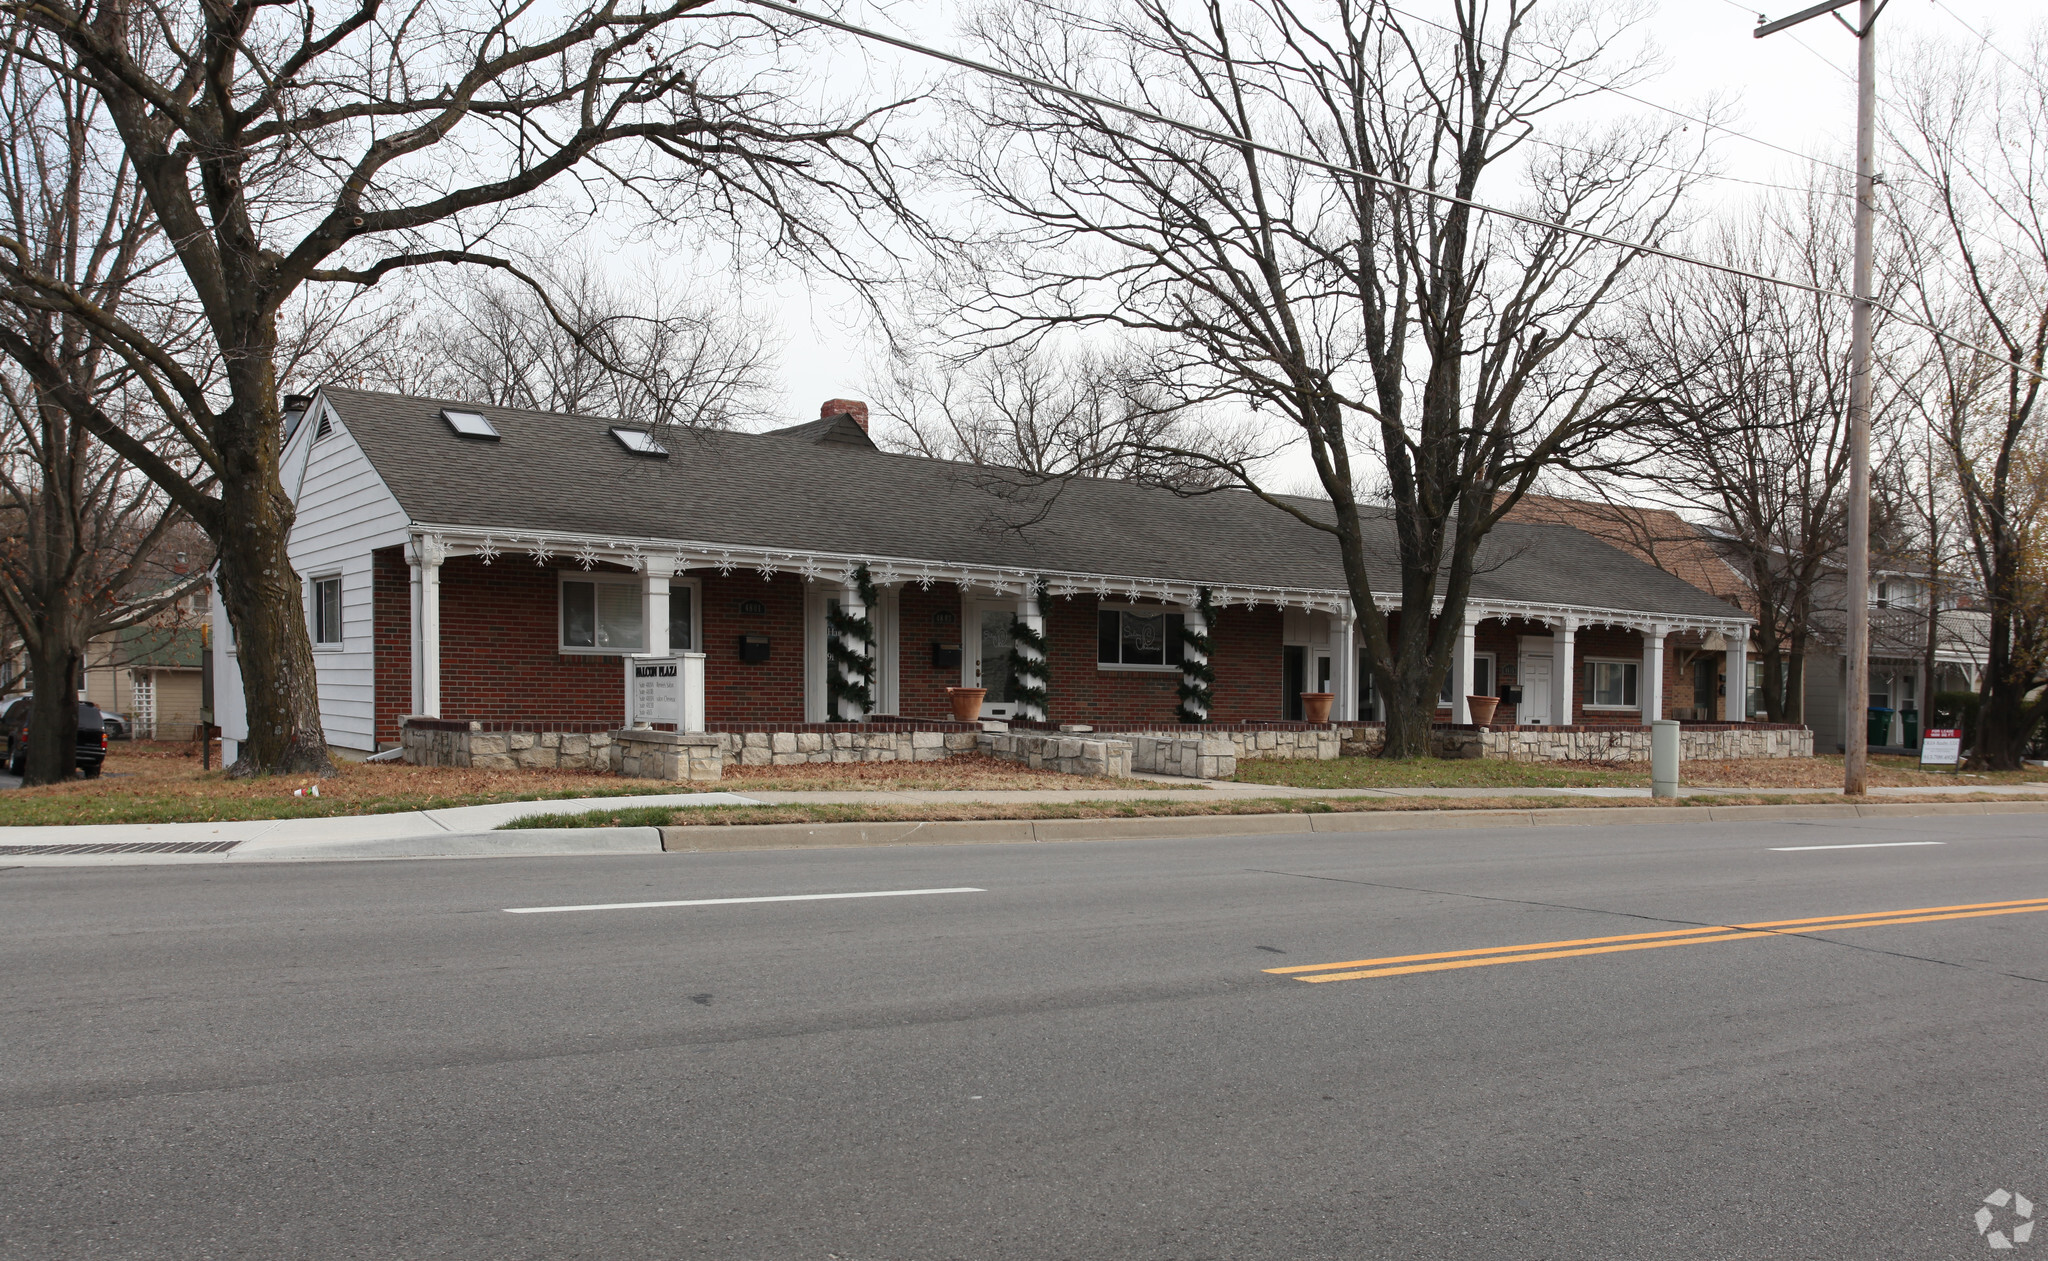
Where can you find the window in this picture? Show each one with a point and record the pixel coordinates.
(470, 425)
(640, 442)
(1482, 679)
(1137, 638)
(1368, 700)
(603, 614)
(326, 599)
(681, 622)
(1611, 684)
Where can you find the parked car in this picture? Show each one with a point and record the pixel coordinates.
(92, 737)
(117, 725)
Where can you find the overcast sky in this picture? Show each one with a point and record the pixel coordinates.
(1794, 89)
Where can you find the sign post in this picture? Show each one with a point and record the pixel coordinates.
(667, 690)
(654, 691)
(1942, 746)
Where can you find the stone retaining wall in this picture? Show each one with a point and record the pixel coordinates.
(452, 742)
(1067, 754)
(793, 748)
(1718, 742)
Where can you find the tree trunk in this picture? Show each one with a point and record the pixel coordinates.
(261, 593)
(2002, 729)
(53, 712)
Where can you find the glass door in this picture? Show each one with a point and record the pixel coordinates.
(986, 664)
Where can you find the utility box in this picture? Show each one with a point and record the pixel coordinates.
(1664, 758)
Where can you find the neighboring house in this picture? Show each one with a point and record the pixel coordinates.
(151, 674)
(499, 565)
(1898, 602)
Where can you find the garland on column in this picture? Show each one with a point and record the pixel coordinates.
(849, 675)
(1197, 676)
(1030, 671)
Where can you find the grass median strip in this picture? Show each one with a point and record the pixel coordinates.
(1140, 808)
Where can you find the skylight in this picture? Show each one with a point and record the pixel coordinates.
(469, 424)
(640, 442)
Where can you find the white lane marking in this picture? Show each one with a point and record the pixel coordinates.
(787, 897)
(1793, 849)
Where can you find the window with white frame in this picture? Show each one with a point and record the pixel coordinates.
(1137, 637)
(1482, 679)
(682, 617)
(1611, 684)
(325, 597)
(603, 613)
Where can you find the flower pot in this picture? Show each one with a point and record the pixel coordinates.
(1482, 709)
(1315, 706)
(966, 702)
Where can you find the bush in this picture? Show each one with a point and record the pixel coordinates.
(1957, 709)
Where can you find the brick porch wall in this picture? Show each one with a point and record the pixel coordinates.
(391, 633)
(920, 685)
(744, 691)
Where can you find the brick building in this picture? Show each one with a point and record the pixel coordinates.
(502, 565)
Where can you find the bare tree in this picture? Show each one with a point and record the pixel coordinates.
(284, 149)
(1434, 359)
(1746, 389)
(649, 352)
(1973, 139)
(79, 527)
(1051, 412)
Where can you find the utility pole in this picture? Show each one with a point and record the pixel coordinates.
(1856, 739)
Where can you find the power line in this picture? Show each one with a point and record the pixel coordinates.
(2030, 71)
(1351, 172)
(1820, 56)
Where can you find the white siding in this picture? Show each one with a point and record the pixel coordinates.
(230, 714)
(344, 512)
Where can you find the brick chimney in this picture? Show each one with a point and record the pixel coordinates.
(846, 407)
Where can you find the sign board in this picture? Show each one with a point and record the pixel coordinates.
(654, 690)
(1941, 746)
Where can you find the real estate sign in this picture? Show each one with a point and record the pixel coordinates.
(1941, 746)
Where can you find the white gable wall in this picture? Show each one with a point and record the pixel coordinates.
(344, 512)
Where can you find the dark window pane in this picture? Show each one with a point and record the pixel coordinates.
(1108, 636)
(1174, 646)
(579, 614)
(679, 620)
(1144, 640)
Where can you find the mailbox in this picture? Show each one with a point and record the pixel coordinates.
(753, 648)
(945, 656)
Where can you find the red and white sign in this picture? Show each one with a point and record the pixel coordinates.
(1941, 746)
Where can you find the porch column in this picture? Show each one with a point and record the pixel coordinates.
(1344, 666)
(657, 571)
(1461, 670)
(1564, 672)
(427, 555)
(853, 606)
(1192, 661)
(1650, 688)
(1735, 707)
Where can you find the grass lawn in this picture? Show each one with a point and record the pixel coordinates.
(162, 783)
(1146, 808)
(1818, 772)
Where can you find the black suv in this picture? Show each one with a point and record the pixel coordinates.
(92, 737)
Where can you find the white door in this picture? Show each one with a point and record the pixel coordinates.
(1535, 709)
(985, 655)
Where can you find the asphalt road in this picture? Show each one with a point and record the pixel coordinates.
(1089, 1059)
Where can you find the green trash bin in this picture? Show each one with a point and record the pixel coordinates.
(1909, 718)
(1880, 726)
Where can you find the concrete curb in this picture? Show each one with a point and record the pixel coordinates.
(746, 836)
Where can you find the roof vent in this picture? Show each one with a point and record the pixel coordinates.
(470, 424)
(640, 442)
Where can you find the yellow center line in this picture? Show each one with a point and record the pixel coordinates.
(1453, 959)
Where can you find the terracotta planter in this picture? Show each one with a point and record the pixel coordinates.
(1482, 709)
(966, 702)
(1315, 706)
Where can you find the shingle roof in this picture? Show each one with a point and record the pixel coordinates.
(559, 473)
(1655, 535)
